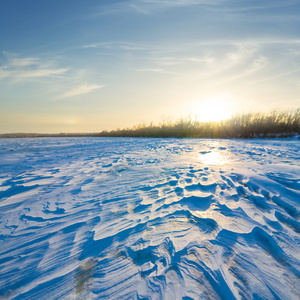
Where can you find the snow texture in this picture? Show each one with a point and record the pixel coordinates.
(122, 218)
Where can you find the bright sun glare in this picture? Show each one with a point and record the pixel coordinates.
(216, 108)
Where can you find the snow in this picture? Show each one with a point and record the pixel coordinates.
(122, 218)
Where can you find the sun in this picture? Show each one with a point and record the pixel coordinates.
(215, 108)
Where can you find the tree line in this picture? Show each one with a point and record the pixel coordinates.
(246, 125)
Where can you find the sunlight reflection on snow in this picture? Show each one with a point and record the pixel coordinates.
(213, 158)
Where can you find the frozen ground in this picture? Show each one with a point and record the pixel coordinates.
(104, 218)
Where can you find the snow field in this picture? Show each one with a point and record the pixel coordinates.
(122, 218)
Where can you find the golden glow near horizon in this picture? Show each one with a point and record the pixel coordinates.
(215, 108)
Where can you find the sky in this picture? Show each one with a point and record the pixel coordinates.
(88, 66)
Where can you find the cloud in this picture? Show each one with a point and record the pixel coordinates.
(147, 7)
(24, 62)
(139, 10)
(158, 4)
(156, 70)
(277, 76)
(80, 90)
(175, 2)
(30, 74)
(245, 7)
(115, 46)
(27, 68)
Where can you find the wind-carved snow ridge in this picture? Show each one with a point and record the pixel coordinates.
(113, 218)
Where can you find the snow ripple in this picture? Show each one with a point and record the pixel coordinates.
(113, 218)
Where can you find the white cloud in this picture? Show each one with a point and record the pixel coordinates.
(80, 90)
(115, 46)
(28, 68)
(156, 70)
(30, 74)
(277, 76)
(147, 7)
(24, 62)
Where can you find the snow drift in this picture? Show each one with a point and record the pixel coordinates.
(113, 218)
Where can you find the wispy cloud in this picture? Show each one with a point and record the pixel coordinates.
(26, 68)
(277, 76)
(30, 74)
(248, 6)
(115, 45)
(255, 66)
(157, 4)
(156, 70)
(24, 62)
(79, 90)
(138, 9)
(177, 2)
(214, 62)
(147, 7)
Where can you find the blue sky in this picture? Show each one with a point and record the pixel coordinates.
(85, 66)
